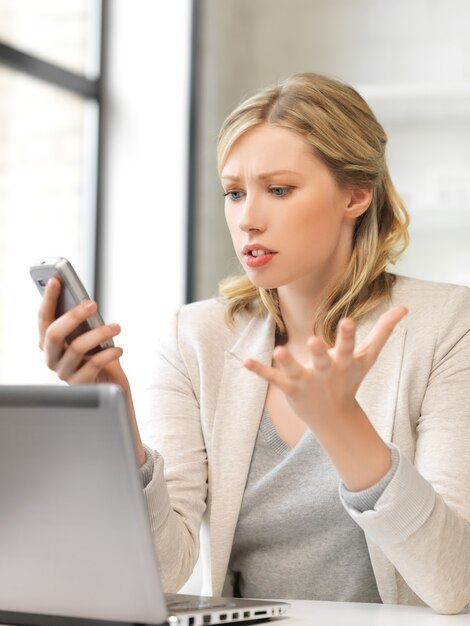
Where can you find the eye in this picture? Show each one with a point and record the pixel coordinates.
(234, 194)
(280, 192)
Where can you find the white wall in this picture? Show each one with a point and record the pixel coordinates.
(145, 175)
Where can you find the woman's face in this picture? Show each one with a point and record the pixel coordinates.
(289, 220)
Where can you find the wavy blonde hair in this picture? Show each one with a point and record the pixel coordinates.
(344, 133)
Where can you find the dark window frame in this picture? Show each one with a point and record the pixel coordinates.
(91, 89)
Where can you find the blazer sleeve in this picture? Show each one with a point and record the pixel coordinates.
(421, 522)
(176, 494)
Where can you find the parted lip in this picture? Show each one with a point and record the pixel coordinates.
(256, 246)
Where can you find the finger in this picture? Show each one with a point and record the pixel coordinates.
(288, 363)
(370, 348)
(89, 372)
(345, 342)
(320, 357)
(47, 308)
(56, 333)
(271, 375)
(76, 352)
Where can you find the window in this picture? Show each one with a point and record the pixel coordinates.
(49, 124)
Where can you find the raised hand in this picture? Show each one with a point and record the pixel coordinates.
(323, 395)
(329, 384)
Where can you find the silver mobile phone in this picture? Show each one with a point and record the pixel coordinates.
(73, 292)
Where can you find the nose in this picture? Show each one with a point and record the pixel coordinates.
(251, 215)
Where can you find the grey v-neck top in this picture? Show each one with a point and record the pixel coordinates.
(294, 538)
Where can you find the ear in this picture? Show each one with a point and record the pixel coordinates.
(359, 201)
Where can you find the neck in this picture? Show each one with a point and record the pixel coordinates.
(299, 301)
(299, 308)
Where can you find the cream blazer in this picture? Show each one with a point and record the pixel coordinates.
(204, 414)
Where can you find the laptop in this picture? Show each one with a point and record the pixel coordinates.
(75, 541)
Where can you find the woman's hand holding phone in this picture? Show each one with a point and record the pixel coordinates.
(72, 362)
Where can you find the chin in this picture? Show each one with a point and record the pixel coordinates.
(266, 283)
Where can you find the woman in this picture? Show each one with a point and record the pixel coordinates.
(263, 406)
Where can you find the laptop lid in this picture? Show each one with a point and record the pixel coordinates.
(74, 534)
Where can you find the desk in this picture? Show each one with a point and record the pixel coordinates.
(315, 613)
(303, 613)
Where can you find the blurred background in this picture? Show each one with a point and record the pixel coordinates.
(94, 122)
(109, 113)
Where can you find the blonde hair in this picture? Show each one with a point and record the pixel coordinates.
(344, 133)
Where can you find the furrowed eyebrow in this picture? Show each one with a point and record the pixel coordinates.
(276, 173)
(262, 176)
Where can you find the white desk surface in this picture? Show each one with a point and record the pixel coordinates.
(314, 613)
(303, 613)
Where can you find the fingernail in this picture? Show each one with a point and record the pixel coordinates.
(115, 327)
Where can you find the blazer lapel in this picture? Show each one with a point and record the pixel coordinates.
(378, 392)
(237, 417)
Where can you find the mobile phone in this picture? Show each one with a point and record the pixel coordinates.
(73, 292)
